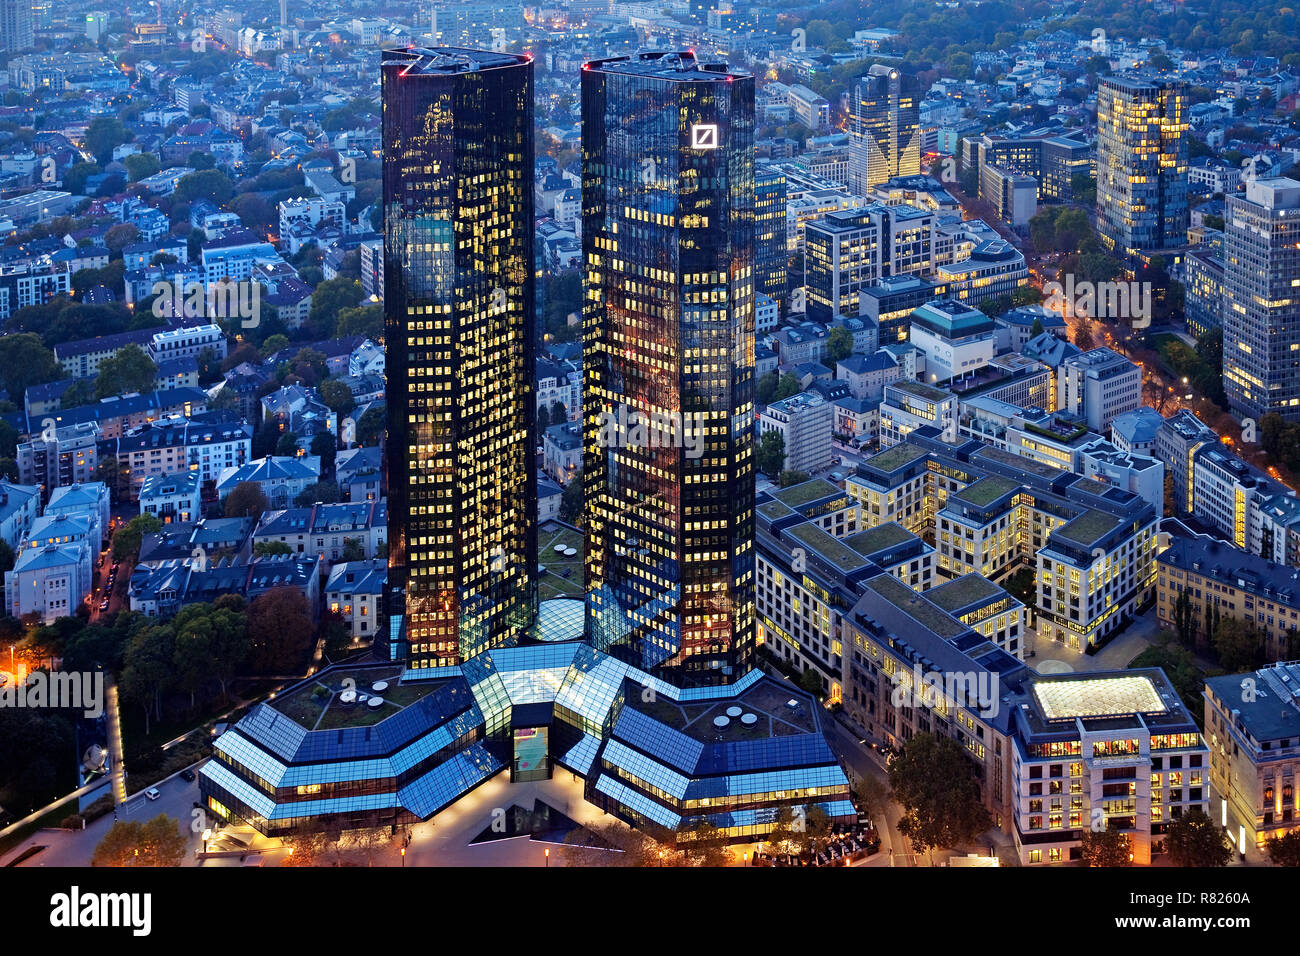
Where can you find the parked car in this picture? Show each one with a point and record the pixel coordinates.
(187, 776)
(152, 793)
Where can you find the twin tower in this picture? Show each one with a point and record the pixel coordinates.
(668, 338)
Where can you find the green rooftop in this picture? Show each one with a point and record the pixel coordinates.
(317, 703)
(963, 592)
(771, 510)
(806, 492)
(921, 390)
(984, 492)
(1089, 527)
(879, 538)
(901, 454)
(1031, 465)
(915, 606)
(819, 542)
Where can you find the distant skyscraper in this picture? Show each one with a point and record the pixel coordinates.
(668, 332)
(459, 324)
(16, 29)
(1261, 300)
(884, 127)
(771, 244)
(1141, 164)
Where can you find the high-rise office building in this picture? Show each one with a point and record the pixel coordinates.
(459, 324)
(1261, 300)
(884, 127)
(1142, 130)
(16, 30)
(771, 244)
(845, 252)
(668, 333)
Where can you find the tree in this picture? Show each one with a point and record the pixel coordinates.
(792, 477)
(1185, 618)
(770, 458)
(287, 446)
(120, 236)
(1195, 840)
(365, 320)
(130, 370)
(839, 344)
(571, 501)
(703, 844)
(147, 669)
(324, 446)
(767, 386)
(141, 166)
(787, 386)
(324, 492)
(268, 549)
(935, 782)
(1104, 847)
(159, 842)
(210, 184)
(24, 361)
(103, 135)
(811, 681)
(873, 795)
(370, 426)
(1284, 850)
(336, 396)
(245, 500)
(1239, 645)
(330, 298)
(280, 630)
(129, 537)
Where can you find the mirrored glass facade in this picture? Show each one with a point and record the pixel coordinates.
(668, 334)
(459, 324)
(884, 127)
(1142, 130)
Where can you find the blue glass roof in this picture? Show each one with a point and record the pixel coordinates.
(443, 784)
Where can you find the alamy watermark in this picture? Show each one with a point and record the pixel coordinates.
(63, 690)
(975, 691)
(228, 299)
(1101, 300)
(626, 427)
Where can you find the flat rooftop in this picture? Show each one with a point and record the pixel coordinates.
(879, 538)
(984, 492)
(319, 705)
(1097, 697)
(896, 457)
(449, 60)
(677, 65)
(806, 492)
(963, 592)
(915, 606)
(1090, 526)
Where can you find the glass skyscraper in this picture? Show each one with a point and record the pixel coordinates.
(771, 245)
(1141, 164)
(459, 324)
(884, 127)
(668, 337)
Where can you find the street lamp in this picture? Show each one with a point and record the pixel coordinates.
(547, 854)
(403, 857)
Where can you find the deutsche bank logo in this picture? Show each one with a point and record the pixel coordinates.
(704, 136)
